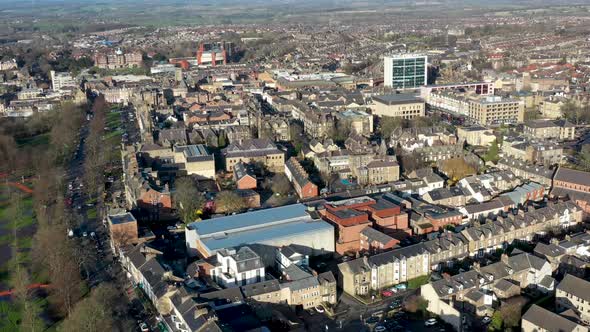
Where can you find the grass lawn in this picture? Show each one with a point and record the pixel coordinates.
(91, 214)
(23, 225)
(417, 282)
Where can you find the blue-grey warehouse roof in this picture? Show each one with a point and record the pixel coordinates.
(264, 234)
(250, 219)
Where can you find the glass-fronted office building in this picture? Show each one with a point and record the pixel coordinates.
(405, 71)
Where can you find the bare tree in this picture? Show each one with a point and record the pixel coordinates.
(94, 313)
(187, 199)
(229, 202)
(280, 184)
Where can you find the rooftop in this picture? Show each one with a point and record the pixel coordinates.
(122, 218)
(402, 98)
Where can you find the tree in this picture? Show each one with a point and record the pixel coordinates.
(574, 113)
(457, 168)
(8, 151)
(410, 162)
(280, 184)
(188, 200)
(55, 253)
(389, 124)
(416, 304)
(584, 156)
(221, 142)
(511, 312)
(496, 323)
(94, 313)
(341, 131)
(229, 202)
(493, 152)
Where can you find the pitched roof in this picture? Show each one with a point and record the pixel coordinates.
(549, 321)
(261, 288)
(572, 176)
(575, 286)
(376, 236)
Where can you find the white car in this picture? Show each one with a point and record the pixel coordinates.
(430, 322)
(486, 320)
(320, 309)
(380, 328)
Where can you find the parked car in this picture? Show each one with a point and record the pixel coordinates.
(401, 286)
(387, 293)
(430, 322)
(143, 327)
(372, 320)
(395, 304)
(380, 328)
(320, 309)
(486, 320)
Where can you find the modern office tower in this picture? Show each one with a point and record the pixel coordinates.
(405, 71)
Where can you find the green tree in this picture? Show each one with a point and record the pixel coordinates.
(493, 152)
(496, 323)
(584, 156)
(188, 200)
(221, 141)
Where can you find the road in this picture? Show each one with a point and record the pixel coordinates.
(91, 232)
(351, 315)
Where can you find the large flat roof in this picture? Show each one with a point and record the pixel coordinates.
(400, 98)
(255, 219)
(272, 232)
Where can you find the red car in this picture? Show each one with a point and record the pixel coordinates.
(387, 293)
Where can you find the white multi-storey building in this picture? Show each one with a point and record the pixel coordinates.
(237, 268)
(405, 71)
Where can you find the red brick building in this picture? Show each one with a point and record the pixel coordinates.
(374, 242)
(353, 216)
(300, 179)
(573, 184)
(244, 177)
(388, 217)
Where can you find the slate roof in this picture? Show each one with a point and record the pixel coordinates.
(246, 259)
(375, 236)
(548, 320)
(572, 176)
(575, 286)
(301, 284)
(505, 285)
(549, 250)
(251, 148)
(299, 174)
(241, 171)
(261, 288)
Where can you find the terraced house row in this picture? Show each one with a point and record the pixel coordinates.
(364, 275)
